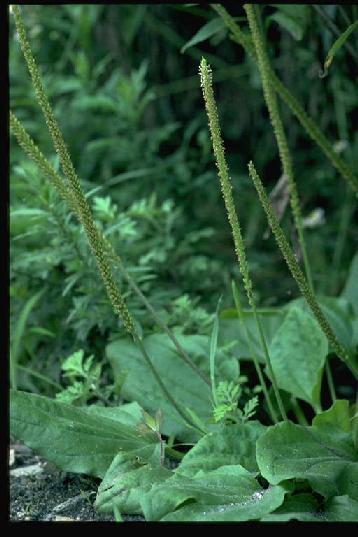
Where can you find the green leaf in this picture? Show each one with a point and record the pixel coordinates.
(40, 331)
(100, 103)
(213, 349)
(228, 493)
(73, 393)
(292, 18)
(232, 331)
(27, 212)
(74, 439)
(186, 387)
(337, 417)
(305, 507)
(338, 44)
(298, 352)
(125, 482)
(227, 445)
(327, 459)
(17, 335)
(130, 414)
(74, 363)
(289, 24)
(209, 29)
(338, 314)
(340, 509)
(299, 507)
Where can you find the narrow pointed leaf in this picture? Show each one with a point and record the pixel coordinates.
(208, 30)
(298, 352)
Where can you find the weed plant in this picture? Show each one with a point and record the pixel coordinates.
(268, 450)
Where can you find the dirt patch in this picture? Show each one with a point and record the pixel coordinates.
(40, 491)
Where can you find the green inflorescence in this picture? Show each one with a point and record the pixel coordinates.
(226, 189)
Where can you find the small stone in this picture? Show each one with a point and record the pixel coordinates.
(68, 503)
(59, 518)
(31, 470)
(11, 457)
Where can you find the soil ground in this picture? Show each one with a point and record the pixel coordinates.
(41, 492)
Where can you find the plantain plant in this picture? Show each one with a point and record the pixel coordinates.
(189, 388)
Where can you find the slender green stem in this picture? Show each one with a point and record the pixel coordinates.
(268, 361)
(346, 214)
(330, 382)
(173, 453)
(301, 418)
(355, 423)
(39, 376)
(72, 191)
(315, 133)
(212, 353)
(226, 188)
(168, 395)
(73, 187)
(191, 83)
(154, 314)
(271, 102)
(335, 30)
(31, 149)
(297, 273)
(307, 123)
(68, 236)
(236, 295)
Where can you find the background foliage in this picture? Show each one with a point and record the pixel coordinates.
(123, 81)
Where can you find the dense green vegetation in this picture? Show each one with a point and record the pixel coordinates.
(185, 339)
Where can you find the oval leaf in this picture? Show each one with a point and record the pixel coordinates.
(74, 439)
(327, 459)
(185, 386)
(298, 352)
(228, 445)
(125, 482)
(229, 493)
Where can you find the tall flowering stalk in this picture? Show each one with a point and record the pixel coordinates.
(271, 102)
(296, 108)
(31, 149)
(226, 189)
(71, 190)
(73, 185)
(296, 271)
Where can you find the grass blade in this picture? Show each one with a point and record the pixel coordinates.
(17, 337)
(336, 46)
(213, 349)
(237, 300)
